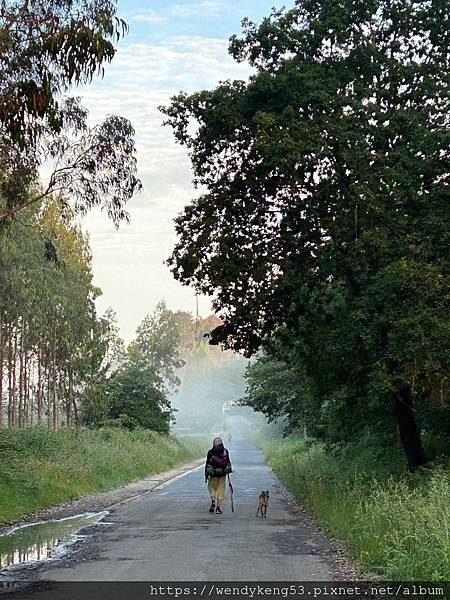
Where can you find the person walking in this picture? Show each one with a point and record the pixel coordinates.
(217, 466)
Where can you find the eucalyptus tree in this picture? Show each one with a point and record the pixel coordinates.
(45, 49)
(51, 339)
(158, 339)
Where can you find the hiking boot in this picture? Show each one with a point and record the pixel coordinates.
(211, 510)
(218, 511)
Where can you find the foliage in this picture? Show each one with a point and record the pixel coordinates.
(136, 394)
(44, 50)
(158, 339)
(393, 523)
(60, 363)
(322, 234)
(136, 397)
(275, 389)
(52, 344)
(42, 467)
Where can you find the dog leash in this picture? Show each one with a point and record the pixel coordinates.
(230, 485)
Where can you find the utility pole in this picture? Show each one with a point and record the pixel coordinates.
(196, 316)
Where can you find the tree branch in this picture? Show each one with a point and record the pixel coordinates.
(13, 211)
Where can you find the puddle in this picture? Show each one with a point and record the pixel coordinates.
(37, 542)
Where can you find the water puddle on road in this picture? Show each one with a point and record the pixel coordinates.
(37, 542)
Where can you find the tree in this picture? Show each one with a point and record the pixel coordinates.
(52, 344)
(103, 355)
(158, 340)
(326, 180)
(273, 389)
(44, 50)
(136, 398)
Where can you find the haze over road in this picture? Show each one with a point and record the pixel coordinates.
(169, 534)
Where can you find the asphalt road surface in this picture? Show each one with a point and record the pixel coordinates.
(169, 534)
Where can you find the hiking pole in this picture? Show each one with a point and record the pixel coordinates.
(230, 485)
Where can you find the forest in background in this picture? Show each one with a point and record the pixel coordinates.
(61, 364)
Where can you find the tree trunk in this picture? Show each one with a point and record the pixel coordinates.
(1, 370)
(21, 351)
(54, 389)
(69, 398)
(49, 399)
(31, 378)
(27, 389)
(75, 412)
(10, 377)
(13, 381)
(40, 400)
(409, 431)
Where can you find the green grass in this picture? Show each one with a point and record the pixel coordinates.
(394, 523)
(41, 467)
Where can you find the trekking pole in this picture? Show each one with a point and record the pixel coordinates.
(230, 485)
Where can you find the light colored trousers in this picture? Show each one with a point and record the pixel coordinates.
(216, 487)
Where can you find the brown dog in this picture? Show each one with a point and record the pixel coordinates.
(263, 504)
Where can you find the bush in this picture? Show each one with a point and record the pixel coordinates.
(136, 398)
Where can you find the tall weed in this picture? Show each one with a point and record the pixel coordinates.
(40, 467)
(394, 523)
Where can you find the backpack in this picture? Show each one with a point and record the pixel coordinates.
(219, 461)
(219, 465)
(218, 471)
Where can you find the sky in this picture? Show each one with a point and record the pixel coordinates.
(171, 46)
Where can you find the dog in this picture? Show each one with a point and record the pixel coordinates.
(263, 504)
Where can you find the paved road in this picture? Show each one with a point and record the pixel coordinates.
(169, 534)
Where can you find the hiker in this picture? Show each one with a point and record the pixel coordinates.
(217, 467)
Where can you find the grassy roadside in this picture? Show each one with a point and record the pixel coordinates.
(394, 523)
(41, 467)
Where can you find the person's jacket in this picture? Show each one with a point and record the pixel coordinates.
(219, 452)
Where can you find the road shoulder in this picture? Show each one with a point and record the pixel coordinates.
(106, 500)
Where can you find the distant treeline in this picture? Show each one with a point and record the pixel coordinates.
(61, 364)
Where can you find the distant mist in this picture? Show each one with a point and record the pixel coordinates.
(211, 380)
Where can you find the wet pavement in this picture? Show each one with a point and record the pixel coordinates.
(168, 534)
(37, 542)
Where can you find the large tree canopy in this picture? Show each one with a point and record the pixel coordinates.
(325, 216)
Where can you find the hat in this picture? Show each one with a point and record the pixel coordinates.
(217, 441)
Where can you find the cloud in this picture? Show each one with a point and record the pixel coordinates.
(210, 9)
(129, 263)
(145, 76)
(188, 62)
(149, 16)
